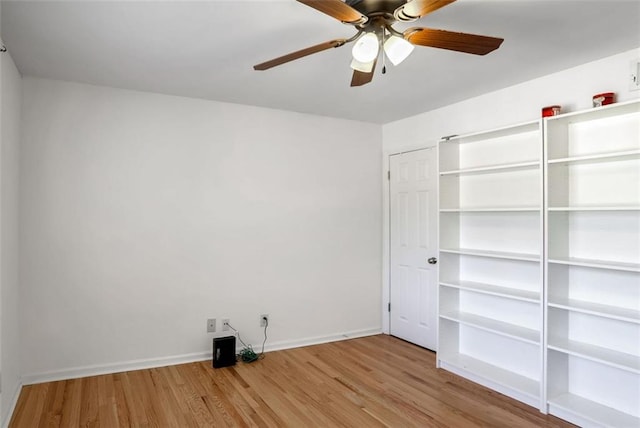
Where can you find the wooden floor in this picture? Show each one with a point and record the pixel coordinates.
(367, 382)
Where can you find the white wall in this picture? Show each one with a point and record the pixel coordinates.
(572, 89)
(145, 214)
(10, 105)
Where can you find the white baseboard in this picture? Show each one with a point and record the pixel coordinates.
(12, 407)
(289, 344)
(78, 372)
(74, 373)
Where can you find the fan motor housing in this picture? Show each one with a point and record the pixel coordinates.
(372, 8)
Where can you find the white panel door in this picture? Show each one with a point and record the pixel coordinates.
(413, 216)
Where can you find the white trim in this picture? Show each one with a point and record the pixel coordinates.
(574, 418)
(386, 261)
(95, 370)
(496, 386)
(289, 344)
(438, 215)
(12, 407)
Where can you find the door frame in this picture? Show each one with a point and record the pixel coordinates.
(386, 229)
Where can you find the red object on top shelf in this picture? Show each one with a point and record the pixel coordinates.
(604, 99)
(550, 111)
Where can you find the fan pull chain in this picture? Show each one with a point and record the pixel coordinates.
(384, 59)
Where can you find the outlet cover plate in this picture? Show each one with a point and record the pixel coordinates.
(225, 324)
(634, 75)
(263, 323)
(211, 325)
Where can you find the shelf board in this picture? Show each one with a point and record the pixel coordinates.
(492, 254)
(493, 326)
(602, 157)
(494, 168)
(494, 290)
(491, 210)
(498, 375)
(596, 113)
(592, 411)
(597, 309)
(598, 354)
(598, 208)
(598, 264)
(519, 128)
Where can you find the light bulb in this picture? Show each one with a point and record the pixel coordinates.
(366, 48)
(397, 49)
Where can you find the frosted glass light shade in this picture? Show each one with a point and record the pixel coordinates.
(397, 49)
(366, 48)
(365, 67)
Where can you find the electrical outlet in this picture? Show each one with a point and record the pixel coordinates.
(211, 325)
(225, 324)
(634, 75)
(264, 320)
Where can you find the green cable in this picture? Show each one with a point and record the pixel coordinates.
(247, 354)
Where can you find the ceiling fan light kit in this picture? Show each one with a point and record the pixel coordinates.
(364, 67)
(373, 20)
(366, 48)
(397, 49)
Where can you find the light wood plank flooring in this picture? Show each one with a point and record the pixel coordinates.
(366, 382)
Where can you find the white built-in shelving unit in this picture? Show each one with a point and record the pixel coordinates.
(593, 266)
(539, 274)
(491, 258)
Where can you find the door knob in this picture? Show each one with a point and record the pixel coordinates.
(432, 260)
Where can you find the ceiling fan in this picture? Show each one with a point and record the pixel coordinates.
(373, 20)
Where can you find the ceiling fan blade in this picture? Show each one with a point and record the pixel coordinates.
(299, 54)
(337, 9)
(461, 42)
(414, 9)
(360, 78)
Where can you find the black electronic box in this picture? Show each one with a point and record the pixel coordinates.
(224, 351)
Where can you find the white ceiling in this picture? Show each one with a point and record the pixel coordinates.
(206, 49)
